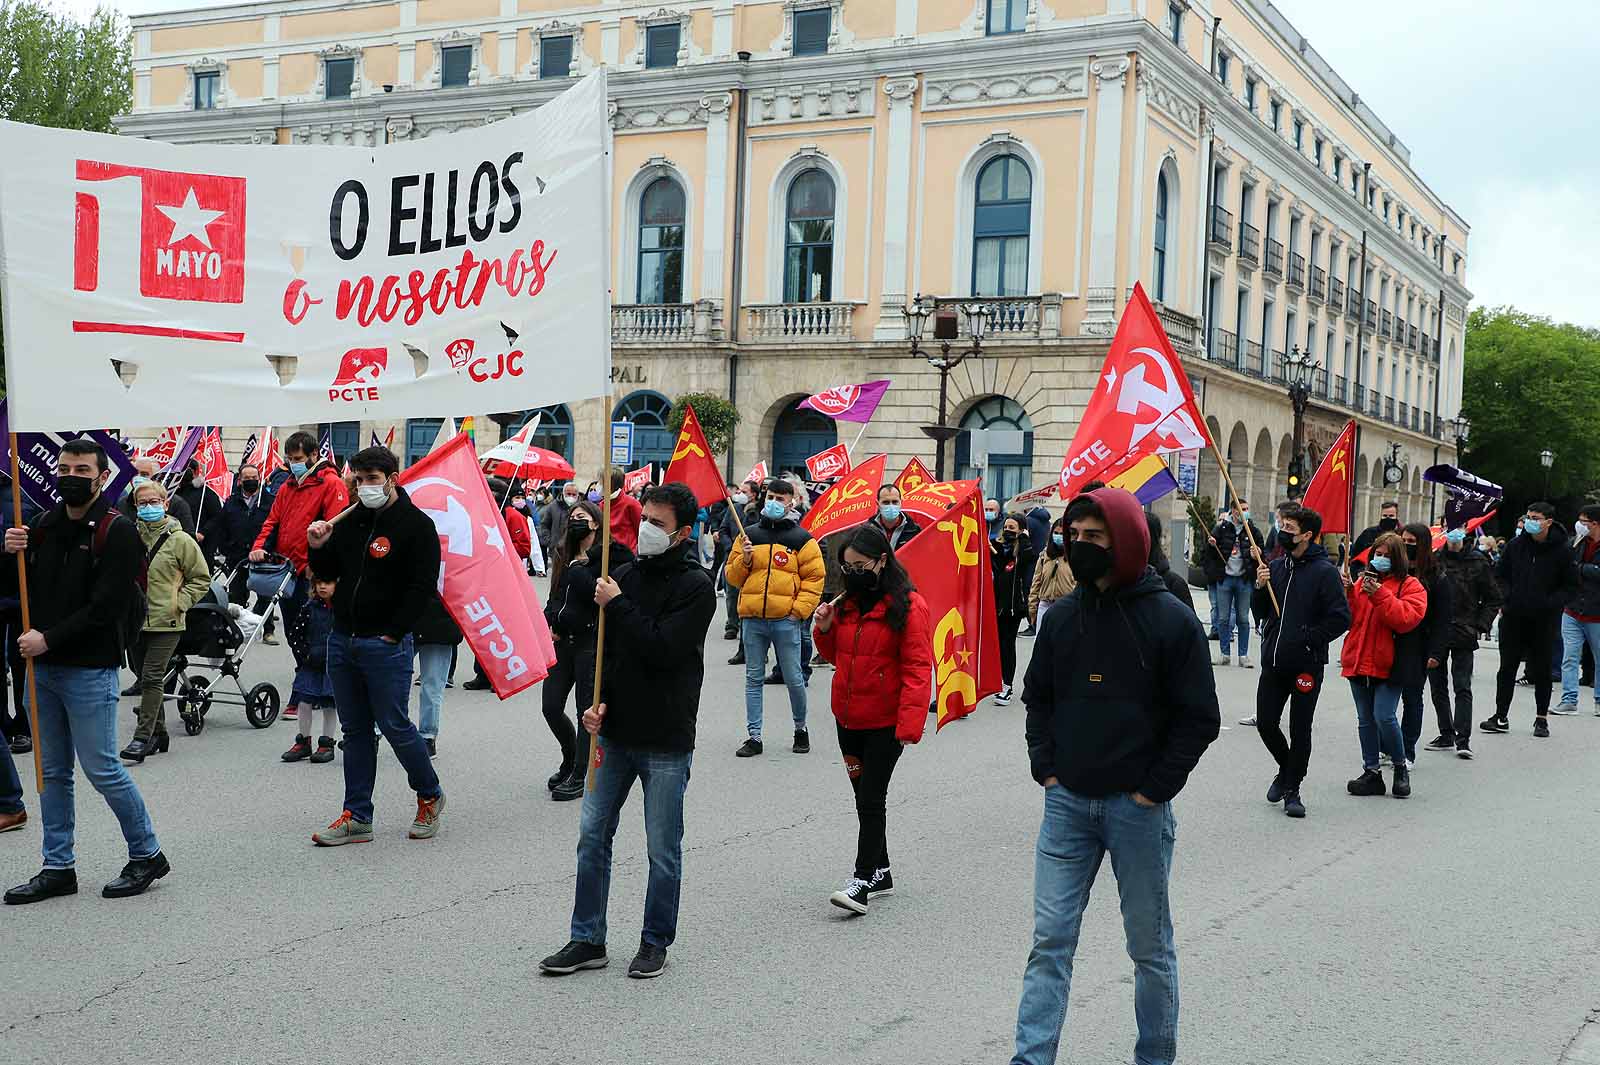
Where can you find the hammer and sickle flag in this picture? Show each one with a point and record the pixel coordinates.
(931, 500)
(850, 502)
(914, 476)
(692, 462)
(1329, 491)
(949, 564)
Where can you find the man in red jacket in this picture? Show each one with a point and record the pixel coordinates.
(313, 492)
(625, 514)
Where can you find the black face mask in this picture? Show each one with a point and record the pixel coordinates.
(1411, 552)
(576, 531)
(1089, 562)
(1389, 524)
(863, 582)
(75, 491)
(249, 488)
(1286, 540)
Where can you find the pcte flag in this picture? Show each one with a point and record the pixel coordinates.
(307, 283)
(692, 462)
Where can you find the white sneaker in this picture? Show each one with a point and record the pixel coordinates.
(1222, 660)
(1004, 698)
(1245, 663)
(1251, 721)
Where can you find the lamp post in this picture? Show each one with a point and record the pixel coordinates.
(946, 329)
(1547, 458)
(1460, 425)
(1297, 370)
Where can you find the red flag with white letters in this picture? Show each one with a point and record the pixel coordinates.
(481, 580)
(214, 465)
(1142, 403)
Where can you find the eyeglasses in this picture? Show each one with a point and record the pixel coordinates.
(855, 567)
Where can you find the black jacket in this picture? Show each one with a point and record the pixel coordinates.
(206, 508)
(387, 565)
(1585, 601)
(1538, 579)
(75, 598)
(655, 651)
(1474, 595)
(1119, 692)
(1428, 640)
(1175, 584)
(571, 611)
(901, 534)
(241, 521)
(1315, 611)
(1013, 575)
(1216, 558)
(436, 625)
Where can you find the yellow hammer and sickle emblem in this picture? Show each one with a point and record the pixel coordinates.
(1338, 461)
(853, 489)
(686, 446)
(952, 681)
(961, 538)
(914, 482)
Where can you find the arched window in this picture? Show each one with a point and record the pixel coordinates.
(661, 225)
(555, 429)
(1000, 222)
(1158, 268)
(799, 434)
(1010, 462)
(808, 239)
(652, 440)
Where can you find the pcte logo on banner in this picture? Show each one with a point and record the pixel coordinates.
(357, 379)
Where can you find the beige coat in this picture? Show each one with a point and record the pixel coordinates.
(1052, 580)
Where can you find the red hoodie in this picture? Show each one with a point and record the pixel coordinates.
(317, 497)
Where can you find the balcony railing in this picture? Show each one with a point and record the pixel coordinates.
(1386, 326)
(1249, 244)
(1227, 351)
(1252, 358)
(1319, 283)
(1388, 407)
(1372, 315)
(800, 321)
(658, 323)
(1411, 337)
(1352, 304)
(1405, 413)
(1341, 389)
(1016, 316)
(1335, 294)
(1297, 272)
(1274, 263)
(1221, 227)
(1182, 329)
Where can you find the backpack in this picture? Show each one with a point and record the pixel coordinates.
(132, 621)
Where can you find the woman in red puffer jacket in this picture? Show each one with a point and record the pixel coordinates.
(1385, 602)
(878, 636)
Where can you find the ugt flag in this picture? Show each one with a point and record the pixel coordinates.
(848, 403)
(1328, 493)
(481, 579)
(949, 563)
(692, 463)
(1142, 404)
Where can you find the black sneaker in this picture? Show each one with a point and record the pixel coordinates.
(882, 882)
(730, 634)
(649, 963)
(476, 685)
(1292, 804)
(1402, 782)
(1463, 751)
(1275, 790)
(738, 658)
(1004, 698)
(1495, 724)
(853, 896)
(751, 748)
(802, 742)
(1541, 728)
(433, 746)
(1370, 782)
(1441, 743)
(775, 677)
(574, 956)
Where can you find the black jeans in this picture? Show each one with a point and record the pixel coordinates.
(1009, 624)
(1524, 639)
(1411, 717)
(869, 760)
(1458, 660)
(1275, 688)
(574, 668)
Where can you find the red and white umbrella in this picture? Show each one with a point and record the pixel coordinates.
(536, 463)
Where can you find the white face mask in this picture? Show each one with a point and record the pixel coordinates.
(652, 541)
(197, 482)
(372, 496)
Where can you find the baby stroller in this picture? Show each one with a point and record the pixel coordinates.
(217, 636)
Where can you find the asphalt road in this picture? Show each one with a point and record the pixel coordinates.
(1457, 927)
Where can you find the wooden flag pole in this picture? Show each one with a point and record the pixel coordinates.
(27, 621)
(605, 571)
(1196, 513)
(1248, 535)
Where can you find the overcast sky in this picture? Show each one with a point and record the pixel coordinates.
(1494, 99)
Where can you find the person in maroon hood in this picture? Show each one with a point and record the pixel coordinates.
(1121, 705)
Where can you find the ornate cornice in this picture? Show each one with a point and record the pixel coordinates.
(953, 89)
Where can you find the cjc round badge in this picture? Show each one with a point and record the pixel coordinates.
(379, 547)
(1305, 682)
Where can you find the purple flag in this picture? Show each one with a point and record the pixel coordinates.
(848, 403)
(1468, 495)
(37, 454)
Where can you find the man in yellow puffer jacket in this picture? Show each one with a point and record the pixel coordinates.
(778, 569)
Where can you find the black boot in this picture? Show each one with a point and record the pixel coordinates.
(47, 885)
(1370, 782)
(137, 876)
(570, 788)
(738, 657)
(1402, 781)
(137, 749)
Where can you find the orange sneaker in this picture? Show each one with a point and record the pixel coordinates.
(426, 826)
(345, 829)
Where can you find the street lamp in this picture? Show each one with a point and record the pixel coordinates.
(1298, 369)
(1460, 425)
(1547, 458)
(946, 328)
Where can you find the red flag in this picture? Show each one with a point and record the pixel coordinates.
(274, 461)
(949, 563)
(165, 447)
(214, 465)
(1329, 491)
(1142, 403)
(932, 500)
(829, 464)
(758, 472)
(634, 480)
(914, 476)
(481, 579)
(851, 500)
(692, 462)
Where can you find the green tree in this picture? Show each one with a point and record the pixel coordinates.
(58, 70)
(1531, 384)
(718, 418)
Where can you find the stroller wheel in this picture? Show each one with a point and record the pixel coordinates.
(261, 705)
(193, 723)
(198, 697)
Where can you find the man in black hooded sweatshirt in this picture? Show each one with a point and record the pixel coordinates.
(1121, 705)
(1311, 613)
(1538, 577)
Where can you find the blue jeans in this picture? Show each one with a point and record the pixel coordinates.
(433, 667)
(78, 715)
(783, 636)
(10, 783)
(1075, 836)
(1233, 612)
(1574, 634)
(663, 777)
(1376, 722)
(372, 687)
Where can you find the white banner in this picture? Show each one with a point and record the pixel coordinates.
(148, 283)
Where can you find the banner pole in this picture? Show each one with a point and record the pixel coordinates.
(851, 450)
(605, 571)
(27, 622)
(1248, 535)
